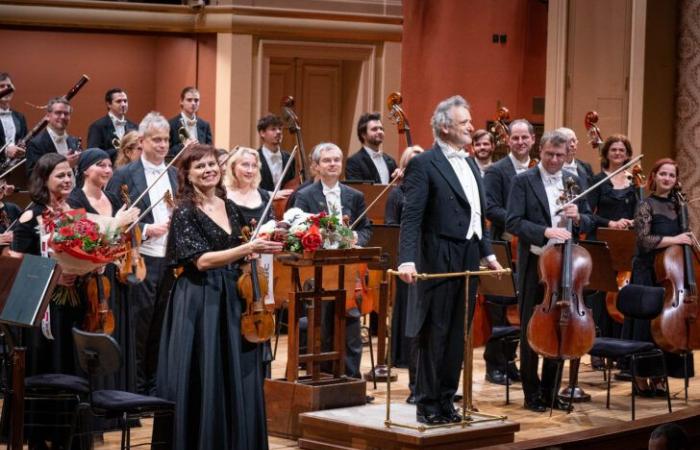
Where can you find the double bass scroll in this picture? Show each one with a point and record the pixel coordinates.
(398, 116)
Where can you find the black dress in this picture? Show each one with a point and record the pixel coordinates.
(205, 366)
(656, 218)
(125, 378)
(11, 212)
(607, 204)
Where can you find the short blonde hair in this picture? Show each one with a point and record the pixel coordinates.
(239, 152)
(409, 153)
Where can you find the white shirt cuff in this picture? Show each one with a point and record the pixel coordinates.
(407, 265)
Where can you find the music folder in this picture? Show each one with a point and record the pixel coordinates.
(26, 290)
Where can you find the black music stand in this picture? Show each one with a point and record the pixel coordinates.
(25, 291)
(622, 243)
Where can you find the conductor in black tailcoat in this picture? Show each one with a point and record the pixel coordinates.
(329, 195)
(443, 212)
(370, 163)
(13, 125)
(197, 128)
(104, 130)
(55, 138)
(532, 205)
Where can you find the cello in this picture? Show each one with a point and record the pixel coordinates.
(676, 329)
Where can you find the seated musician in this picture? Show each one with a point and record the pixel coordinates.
(531, 216)
(55, 138)
(329, 195)
(370, 163)
(104, 130)
(13, 125)
(197, 128)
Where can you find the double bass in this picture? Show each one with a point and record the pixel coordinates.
(677, 329)
(398, 116)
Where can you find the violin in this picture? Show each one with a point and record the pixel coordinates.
(133, 268)
(676, 329)
(594, 137)
(562, 326)
(99, 317)
(398, 116)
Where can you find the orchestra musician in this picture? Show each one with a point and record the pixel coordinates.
(205, 366)
(658, 227)
(532, 204)
(197, 128)
(484, 144)
(370, 163)
(148, 298)
(443, 211)
(272, 157)
(333, 197)
(500, 175)
(129, 149)
(103, 131)
(13, 125)
(55, 138)
(581, 168)
(92, 175)
(9, 212)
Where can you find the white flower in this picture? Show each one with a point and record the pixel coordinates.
(295, 216)
(268, 227)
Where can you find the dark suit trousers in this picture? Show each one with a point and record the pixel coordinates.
(353, 339)
(441, 339)
(497, 354)
(529, 360)
(148, 301)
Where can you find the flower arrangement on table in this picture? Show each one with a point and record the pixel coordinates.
(304, 232)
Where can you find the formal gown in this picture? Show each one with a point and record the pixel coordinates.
(656, 217)
(205, 366)
(607, 204)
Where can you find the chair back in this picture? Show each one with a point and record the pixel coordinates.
(640, 302)
(98, 353)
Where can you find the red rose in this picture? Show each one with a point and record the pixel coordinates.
(66, 231)
(312, 240)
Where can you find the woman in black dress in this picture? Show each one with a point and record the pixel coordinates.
(657, 226)
(205, 366)
(9, 212)
(613, 204)
(93, 173)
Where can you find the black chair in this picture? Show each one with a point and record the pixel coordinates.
(645, 359)
(99, 354)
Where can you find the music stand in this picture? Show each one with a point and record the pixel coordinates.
(622, 243)
(25, 291)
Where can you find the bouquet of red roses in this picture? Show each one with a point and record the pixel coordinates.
(304, 232)
(82, 242)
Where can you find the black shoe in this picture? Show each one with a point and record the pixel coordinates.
(451, 415)
(623, 375)
(559, 404)
(457, 398)
(536, 405)
(430, 419)
(369, 398)
(513, 372)
(411, 400)
(495, 376)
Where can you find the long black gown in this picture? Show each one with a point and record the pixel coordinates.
(205, 366)
(607, 204)
(656, 217)
(125, 378)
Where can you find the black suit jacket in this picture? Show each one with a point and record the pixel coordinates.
(497, 181)
(203, 133)
(585, 173)
(41, 145)
(134, 177)
(102, 132)
(528, 216)
(311, 200)
(20, 128)
(266, 181)
(435, 211)
(360, 167)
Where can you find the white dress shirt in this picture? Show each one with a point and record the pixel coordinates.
(380, 164)
(161, 212)
(190, 125)
(119, 125)
(554, 186)
(333, 202)
(8, 125)
(519, 167)
(274, 162)
(571, 167)
(59, 141)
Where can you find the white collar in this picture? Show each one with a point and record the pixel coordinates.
(269, 153)
(184, 116)
(517, 163)
(54, 134)
(115, 118)
(147, 165)
(372, 153)
(330, 188)
(546, 175)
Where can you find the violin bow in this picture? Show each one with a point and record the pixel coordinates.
(14, 222)
(172, 161)
(146, 211)
(376, 199)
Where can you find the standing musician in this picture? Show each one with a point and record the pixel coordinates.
(13, 125)
(657, 223)
(484, 144)
(197, 128)
(532, 204)
(333, 197)
(272, 157)
(148, 298)
(443, 211)
(55, 138)
(370, 163)
(104, 130)
(205, 366)
(500, 175)
(572, 164)
(129, 149)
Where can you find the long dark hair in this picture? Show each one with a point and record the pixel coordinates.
(38, 190)
(651, 184)
(186, 192)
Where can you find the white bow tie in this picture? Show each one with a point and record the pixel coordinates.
(335, 190)
(191, 123)
(376, 155)
(60, 139)
(458, 154)
(119, 123)
(154, 171)
(552, 179)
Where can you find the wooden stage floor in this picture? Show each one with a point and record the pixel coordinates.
(490, 398)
